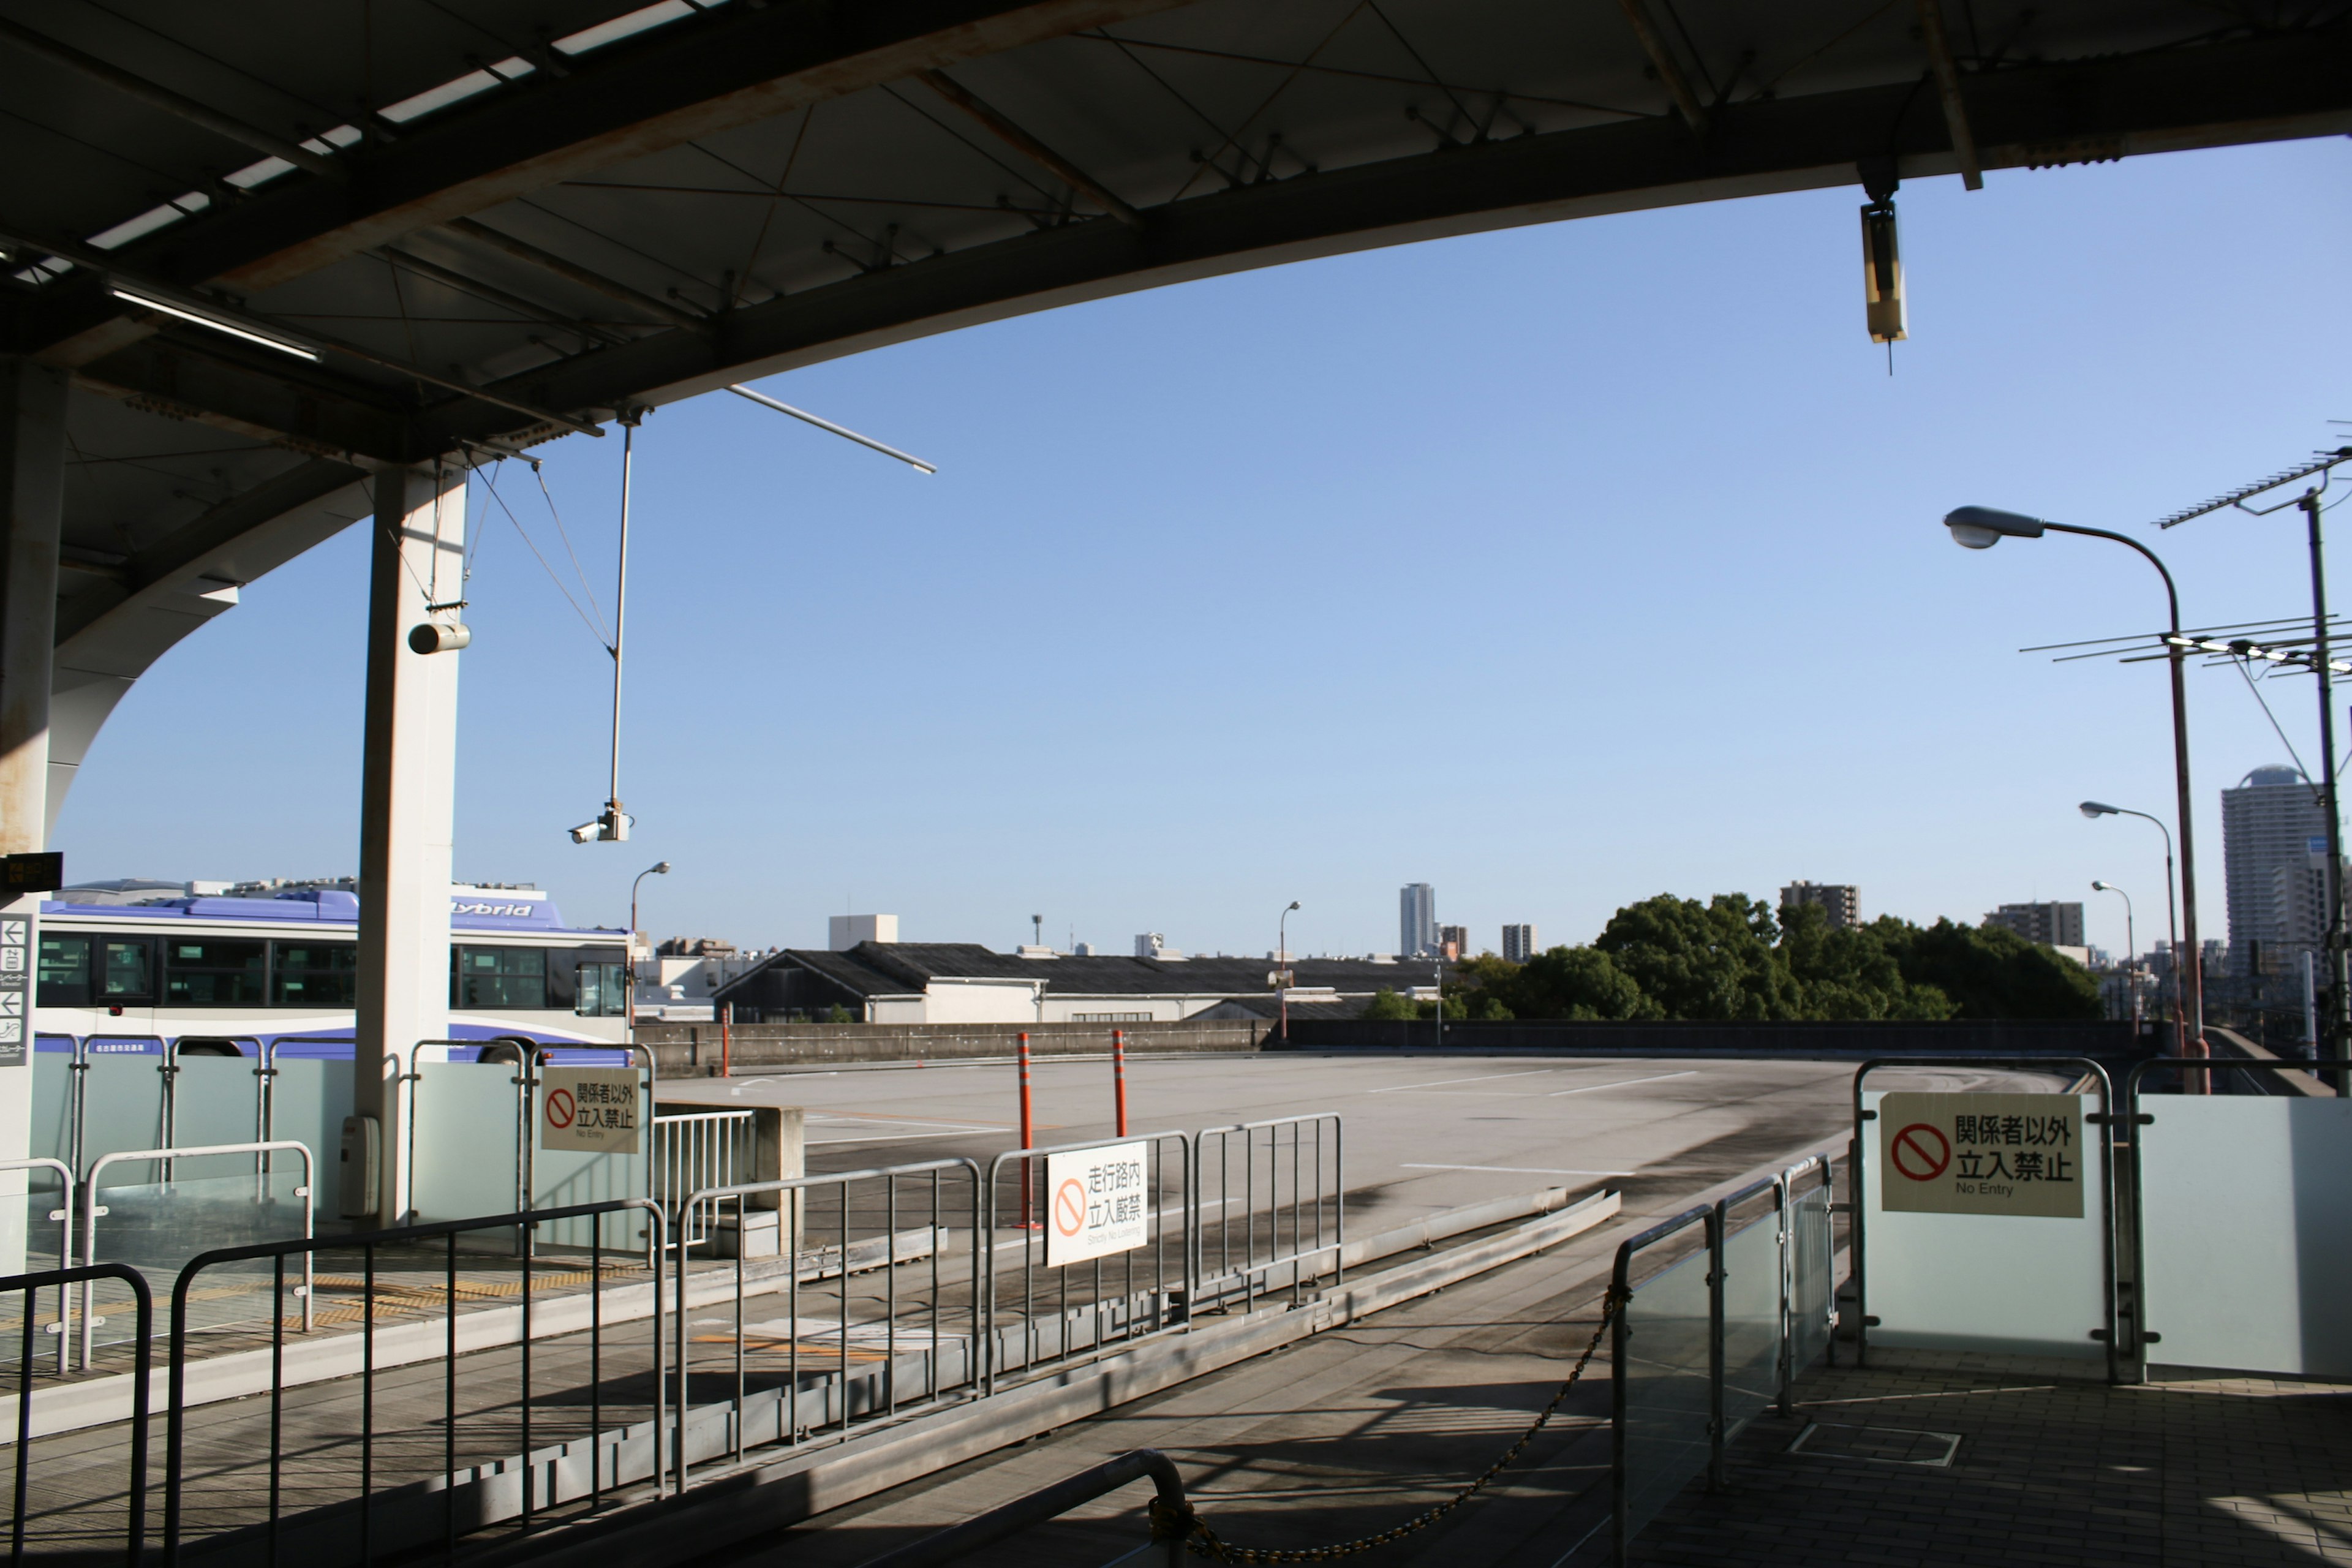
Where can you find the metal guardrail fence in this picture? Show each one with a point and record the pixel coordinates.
(696, 1153)
(432, 1499)
(62, 1216)
(1265, 1152)
(870, 1211)
(1103, 1313)
(134, 1513)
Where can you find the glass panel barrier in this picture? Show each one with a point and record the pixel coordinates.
(307, 1101)
(1751, 1321)
(53, 1077)
(1666, 1388)
(212, 1101)
(157, 1226)
(122, 1109)
(465, 1154)
(1811, 1287)
(2014, 1285)
(2246, 1239)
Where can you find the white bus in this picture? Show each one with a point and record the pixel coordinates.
(229, 976)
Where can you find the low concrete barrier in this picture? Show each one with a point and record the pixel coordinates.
(2109, 1043)
(693, 1051)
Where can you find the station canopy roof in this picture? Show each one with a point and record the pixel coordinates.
(279, 243)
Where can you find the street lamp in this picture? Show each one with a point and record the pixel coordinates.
(1981, 528)
(2096, 809)
(1282, 966)
(658, 868)
(2131, 941)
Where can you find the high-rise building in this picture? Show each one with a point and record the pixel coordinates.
(1417, 920)
(1519, 942)
(2268, 822)
(2054, 925)
(1840, 901)
(1453, 942)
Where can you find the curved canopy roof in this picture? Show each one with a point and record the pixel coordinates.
(276, 243)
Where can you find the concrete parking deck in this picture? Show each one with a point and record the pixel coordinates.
(2050, 1467)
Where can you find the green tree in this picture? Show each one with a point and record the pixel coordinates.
(1387, 1005)
(1576, 982)
(1712, 961)
(1990, 972)
(1849, 974)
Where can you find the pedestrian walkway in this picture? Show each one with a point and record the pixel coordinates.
(1966, 1459)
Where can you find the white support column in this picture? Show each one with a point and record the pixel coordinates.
(408, 781)
(32, 507)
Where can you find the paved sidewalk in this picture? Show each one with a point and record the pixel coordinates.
(2050, 1467)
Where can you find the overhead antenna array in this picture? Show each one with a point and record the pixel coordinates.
(2320, 463)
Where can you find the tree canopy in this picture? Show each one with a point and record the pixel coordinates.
(1730, 959)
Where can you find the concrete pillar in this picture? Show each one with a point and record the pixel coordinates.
(32, 509)
(407, 788)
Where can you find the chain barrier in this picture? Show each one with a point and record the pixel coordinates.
(1183, 1521)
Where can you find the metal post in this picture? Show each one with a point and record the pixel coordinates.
(726, 1040)
(1714, 1421)
(1118, 1075)
(2338, 1037)
(1027, 1129)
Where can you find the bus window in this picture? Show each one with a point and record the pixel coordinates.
(127, 972)
(604, 991)
(208, 972)
(65, 972)
(499, 977)
(315, 974)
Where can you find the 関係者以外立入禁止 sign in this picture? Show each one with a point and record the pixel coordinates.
(591, 1108)
(2018, 1155)
(1096, 1203)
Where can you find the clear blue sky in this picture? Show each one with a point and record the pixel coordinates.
(1557, 567)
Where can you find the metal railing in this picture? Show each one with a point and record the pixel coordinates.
(867, 1236)
(63, 1217)
(1268, 1152)
(698, 1152)
(447, 1500)
(1683, 1427)
(93, 1211)
(1105, 1312)
(29, 1285)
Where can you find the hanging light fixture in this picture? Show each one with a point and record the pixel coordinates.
(1882, 259)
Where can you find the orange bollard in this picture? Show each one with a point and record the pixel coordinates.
(726, 1043)
(1118, 1075)
(1027, 1129)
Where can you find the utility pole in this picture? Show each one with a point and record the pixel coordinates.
(2336, 1037)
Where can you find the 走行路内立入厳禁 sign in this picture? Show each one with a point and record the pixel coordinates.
(1095, 1203)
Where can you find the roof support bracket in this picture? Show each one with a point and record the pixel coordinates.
(1029, 147)
(1670, 69)
(1947, 83)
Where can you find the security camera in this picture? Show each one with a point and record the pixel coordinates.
(440, 636)
(587, 832)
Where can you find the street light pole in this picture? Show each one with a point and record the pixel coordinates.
(1282, 967)
(659, 868)
(1980, 528)
(2131, 942)
(2096, 809)
(2338, 1036)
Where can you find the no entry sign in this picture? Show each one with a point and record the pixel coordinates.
(590, 1109)
(1095, 1203)
(2017, 1154)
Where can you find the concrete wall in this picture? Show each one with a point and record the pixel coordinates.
(2102, 1040)
(692, 1049)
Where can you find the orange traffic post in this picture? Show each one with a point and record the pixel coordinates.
(725, 1043)
(1118, 1075)
(1027, 1130)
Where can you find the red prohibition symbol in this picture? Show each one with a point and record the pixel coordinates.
(1915, 1157)
(560, 1108)
(1070, 1207)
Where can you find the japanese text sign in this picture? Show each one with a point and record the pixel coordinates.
(1095, 1203)
(18, 942)
(595, 1108)
(2018, 1155)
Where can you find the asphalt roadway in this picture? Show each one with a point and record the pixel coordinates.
(1423, 1133)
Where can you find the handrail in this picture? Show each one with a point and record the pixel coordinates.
(64, 1216)
(2106, 1179)
(2135, 1118)
(1339, 1247)
(90, 1211)
(175, 1403)
(957, 1542)
(143, 1300)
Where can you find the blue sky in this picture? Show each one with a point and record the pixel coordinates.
(1557, 567)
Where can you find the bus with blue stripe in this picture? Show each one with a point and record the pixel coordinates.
(234, 977)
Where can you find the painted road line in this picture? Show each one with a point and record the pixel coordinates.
(876, 1118)
(1621, 1083)
(1439, 1083)
(1519, 1170)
